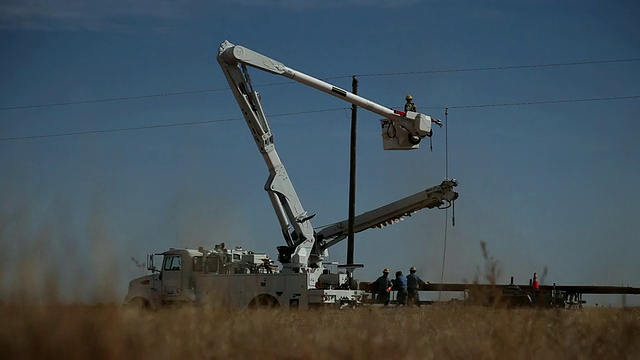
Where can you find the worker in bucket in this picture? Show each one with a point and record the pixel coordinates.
(410, 106)
(400, 285)
(382, 287)
(414, 282)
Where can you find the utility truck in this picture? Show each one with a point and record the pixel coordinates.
(238, 277)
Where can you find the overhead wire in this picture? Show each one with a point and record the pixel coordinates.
(309, 112)
(148, 127)
(541, 102)
(501, 67)
(137, 97)
(192, 92)
(88, 132)
(545, 102)
(306, 112)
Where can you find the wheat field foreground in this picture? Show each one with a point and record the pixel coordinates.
(432, 332)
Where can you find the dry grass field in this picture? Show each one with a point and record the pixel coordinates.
(38, 324)
(445, 331)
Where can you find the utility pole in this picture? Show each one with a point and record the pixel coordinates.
(352, 185)
(352, 174)
(350, 266)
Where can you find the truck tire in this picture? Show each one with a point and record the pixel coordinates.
(264, 301)
(138, 303)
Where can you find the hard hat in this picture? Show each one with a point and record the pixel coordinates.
(409, 97)
(413, 268)
(385, 271)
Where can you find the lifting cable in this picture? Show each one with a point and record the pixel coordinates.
(446, 216)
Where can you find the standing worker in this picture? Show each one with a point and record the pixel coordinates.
(382, 286)
(400, 285)
(410, 106)
(414, 282)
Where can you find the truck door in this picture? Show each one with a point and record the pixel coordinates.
(171, 276)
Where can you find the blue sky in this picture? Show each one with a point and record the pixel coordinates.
(544, 185)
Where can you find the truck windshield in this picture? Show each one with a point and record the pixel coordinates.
(172, 262)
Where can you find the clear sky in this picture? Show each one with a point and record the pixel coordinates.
(545, 185)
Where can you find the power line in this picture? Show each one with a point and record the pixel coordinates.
(192, 92)
(532, 102)
(310, 112)
(111, 99)
(503, 67)
(545, 102)
(148, 127)
(88, 132)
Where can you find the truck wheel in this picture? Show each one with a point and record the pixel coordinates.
(138, 303)
(264, 301)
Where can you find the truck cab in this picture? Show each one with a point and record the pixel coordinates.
(173, 282)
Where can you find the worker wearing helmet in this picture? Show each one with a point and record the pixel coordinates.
(410, 106)
(382, 287)
(414, 282)
(400, 285)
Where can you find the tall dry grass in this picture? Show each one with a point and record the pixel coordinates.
(447, 331)
(38, 323)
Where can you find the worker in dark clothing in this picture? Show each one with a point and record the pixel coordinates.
(382, 287)
(410, 106)
(400, 285)
(414, 282)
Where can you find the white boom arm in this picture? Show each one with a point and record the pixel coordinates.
(302, 252)
(415, 125)
(440, 196)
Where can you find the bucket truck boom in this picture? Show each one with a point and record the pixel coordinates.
(440, 196)
(244, 278)
(400, 130)
(302, 252)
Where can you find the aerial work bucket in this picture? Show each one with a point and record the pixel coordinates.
(395, 137)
